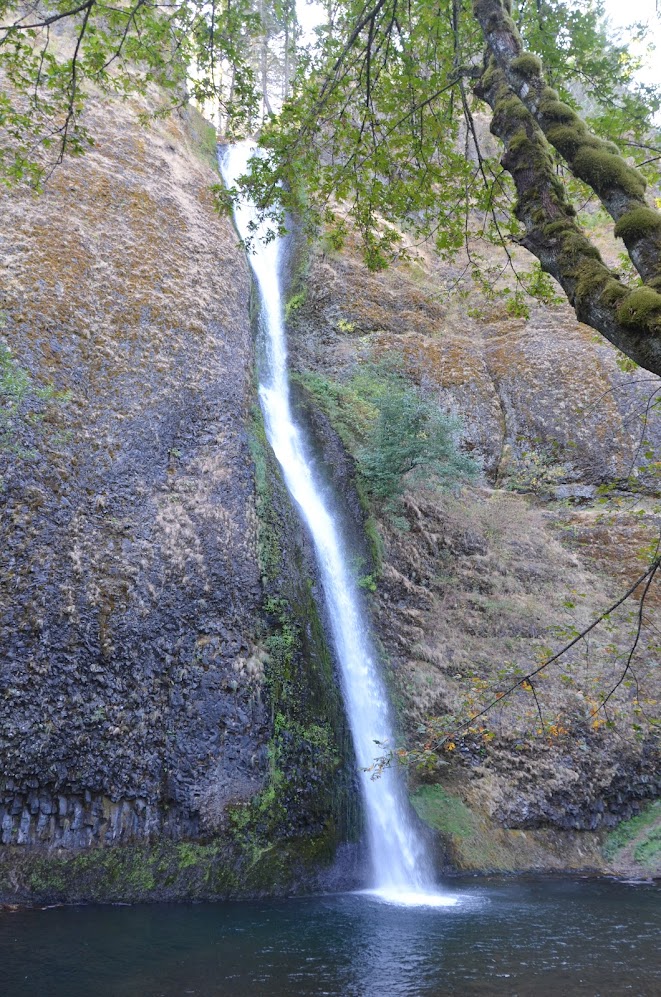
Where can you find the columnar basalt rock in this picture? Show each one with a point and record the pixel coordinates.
(130, 583)
(143, 664)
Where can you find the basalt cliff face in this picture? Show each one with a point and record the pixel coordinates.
(134, 707)
(475, 588)
(130, 576)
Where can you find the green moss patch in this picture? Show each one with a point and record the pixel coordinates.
(638, 224)
(556, 110)
(203, 137)
(527, 64)
(639, 837)
(164, 870)
(32, 418)
(444, 812)
(476, 843)
(602, 169)
(569, 138)
(641, 309)
(268, 541)
(468, 838)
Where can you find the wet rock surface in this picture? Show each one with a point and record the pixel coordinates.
(145, 690)
(130, 588)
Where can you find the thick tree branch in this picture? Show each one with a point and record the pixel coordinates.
(630, 319)
(620, 187)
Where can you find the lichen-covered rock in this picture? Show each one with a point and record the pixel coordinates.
(130, 584)
(170, 722)
(544, 401)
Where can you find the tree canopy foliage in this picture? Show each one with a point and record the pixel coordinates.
(383, 117)
(53, 55)
(382, 125)
(386, 131)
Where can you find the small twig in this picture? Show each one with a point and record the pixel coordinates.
(639, 628)
(539, 709)
(17, 26)
(649, 574)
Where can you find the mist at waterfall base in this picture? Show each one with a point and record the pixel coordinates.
(402, 871)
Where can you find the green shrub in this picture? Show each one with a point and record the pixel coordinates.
(410, 438)
(392, 430)
(23, 410)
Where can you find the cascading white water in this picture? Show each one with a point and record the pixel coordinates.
(401, 869)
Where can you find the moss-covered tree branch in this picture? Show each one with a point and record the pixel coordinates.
(630, 319)
(619, 186)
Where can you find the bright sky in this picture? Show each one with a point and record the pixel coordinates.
(623, 13)
(309, 16)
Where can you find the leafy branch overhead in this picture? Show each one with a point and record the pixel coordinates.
(53, 55)
(383, 125)
(400, 150)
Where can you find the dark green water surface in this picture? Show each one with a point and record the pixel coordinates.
(515, 937)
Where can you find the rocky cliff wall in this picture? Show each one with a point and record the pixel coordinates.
(479, 586)
(130, 579)
(170, 724)
(164, 687)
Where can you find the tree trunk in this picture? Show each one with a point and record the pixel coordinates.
(526, 113)
(622, 315)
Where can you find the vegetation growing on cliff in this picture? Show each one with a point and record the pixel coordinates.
(396, 434)
(25, 409)
(304, 801)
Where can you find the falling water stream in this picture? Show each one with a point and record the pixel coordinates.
(400, 866)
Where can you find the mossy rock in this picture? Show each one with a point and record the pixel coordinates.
(441, 810)
(163, 870)
(203, 137)
(635, 845)
(475, 843)
(466, 836)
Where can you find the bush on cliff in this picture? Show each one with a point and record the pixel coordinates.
(394, 432)
(410, 438)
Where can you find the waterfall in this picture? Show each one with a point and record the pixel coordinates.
(401, 870)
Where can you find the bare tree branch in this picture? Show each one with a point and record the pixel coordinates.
(647, 577)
